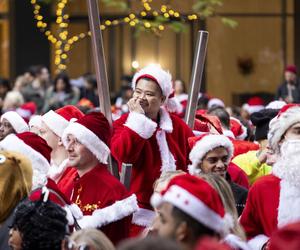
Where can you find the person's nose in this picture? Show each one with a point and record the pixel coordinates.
(220, 164)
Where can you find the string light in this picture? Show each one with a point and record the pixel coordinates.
(143, 18)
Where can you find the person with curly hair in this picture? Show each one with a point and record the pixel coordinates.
(38, 225)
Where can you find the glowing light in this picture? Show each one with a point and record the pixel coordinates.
(135, 64)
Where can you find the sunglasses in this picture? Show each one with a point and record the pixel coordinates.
(72, 245)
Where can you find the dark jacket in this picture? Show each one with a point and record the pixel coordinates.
(4, 233)
(240, 195)
(282, 92)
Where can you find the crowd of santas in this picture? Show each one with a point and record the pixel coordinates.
(205, 187)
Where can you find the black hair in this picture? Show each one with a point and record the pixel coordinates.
(5, 82)
(63, 76)
(196, 228)
(222, 114)
(42, 225)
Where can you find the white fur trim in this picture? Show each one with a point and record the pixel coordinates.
(156, 199)
(243, 135)
(275, 105)
(194, 207)
(143, 217)
(215, 102)
(88, 139)
(173, 105)
(39, 163)
(236, 242)
(182, 97)
(16, 121)
(55, 122)
(257, 242)
(253, 108)
(117, 211)
(279, 125)
(228, 133)
(35, 120)
(163, 78)
(289, 204)
(24, 112)
(206, 144)
(56, 172)
(140, 124)
(167, 159)
(73, 211)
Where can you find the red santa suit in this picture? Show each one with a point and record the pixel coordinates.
(103, 200)
(153, 147)
(274, 200)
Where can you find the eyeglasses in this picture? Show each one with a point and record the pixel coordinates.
(72, 245)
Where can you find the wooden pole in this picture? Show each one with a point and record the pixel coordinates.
(196, 79)
(100, 68)
(99, 59)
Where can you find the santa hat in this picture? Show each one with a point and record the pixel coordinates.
(164, 81)
(59, 119)
(204, 122)
(37, 151)
(254, 104)
(27, 110)
(195, 197)
(287, 117)
(288, 237)
(238, 129)
(215, 102)
(275, 105)
(93, 131)
(261, 122)
(291, 68)
(202, 144)
(16, 121)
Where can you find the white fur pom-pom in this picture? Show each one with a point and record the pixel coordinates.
(173, 105)
(156, 199)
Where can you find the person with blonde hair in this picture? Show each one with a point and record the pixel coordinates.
(92, 239)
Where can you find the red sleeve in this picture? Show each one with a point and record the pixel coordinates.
(130, 133)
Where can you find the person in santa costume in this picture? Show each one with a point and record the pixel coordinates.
(274, 200)
(150, 138)
(103, 200)
(11, 123)
(52, 126)
(189, 208)
(211, 154)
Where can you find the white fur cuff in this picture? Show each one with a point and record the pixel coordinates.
(140, 124)
(258, 241)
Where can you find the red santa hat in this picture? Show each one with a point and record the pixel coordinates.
(16, 121)
(35, 148)
(164, 81)
(27, 110)
(215, 102)
(205, 122)
(59, 119)
(238, 129)
(254, 104)
(202, 144)
(287, 117)
(93, 131)
(195, 197)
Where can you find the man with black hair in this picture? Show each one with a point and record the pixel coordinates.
(38, 225)
(189, 208)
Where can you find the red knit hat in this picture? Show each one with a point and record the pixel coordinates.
(59, 119)
(238, 129)
(291, 68)
(93, 131)
(35, 148)
(202, 144)
(288, 237)
(195, 197)
(27, 110)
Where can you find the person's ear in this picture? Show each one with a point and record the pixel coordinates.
(163, 98)
(181, 232)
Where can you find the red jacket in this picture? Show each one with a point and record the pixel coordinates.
(141, 142)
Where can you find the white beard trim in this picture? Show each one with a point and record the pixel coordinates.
(287, 168)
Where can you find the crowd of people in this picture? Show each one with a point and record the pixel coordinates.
(229, 182)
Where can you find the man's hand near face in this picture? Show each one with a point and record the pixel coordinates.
(135, 106)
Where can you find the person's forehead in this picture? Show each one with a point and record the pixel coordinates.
(147, 85)
(4, 120)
